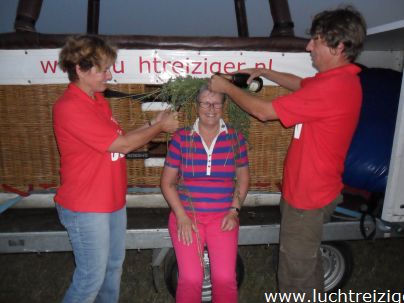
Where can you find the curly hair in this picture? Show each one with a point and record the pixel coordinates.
(344, 25)
(85, 51)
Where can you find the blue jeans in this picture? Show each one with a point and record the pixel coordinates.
(98, 242)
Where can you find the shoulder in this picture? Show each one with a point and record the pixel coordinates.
(72, 106)
(343, 74)
(181, 133)
(234, 132)
(65, 102)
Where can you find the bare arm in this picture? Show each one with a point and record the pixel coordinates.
(286, 80)
(240, 192)
(230, 221)
(169, 189)
(134, 139)
(254, 105)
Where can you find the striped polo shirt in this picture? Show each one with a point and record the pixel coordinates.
(207, 175)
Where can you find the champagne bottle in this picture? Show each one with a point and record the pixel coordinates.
(240, 80)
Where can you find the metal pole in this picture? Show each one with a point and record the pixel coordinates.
(93, 16)
(283, 25)
(27, 15)
(241, 18)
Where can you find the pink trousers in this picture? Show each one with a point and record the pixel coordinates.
(222, 248)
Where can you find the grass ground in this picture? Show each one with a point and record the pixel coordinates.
(44, 277)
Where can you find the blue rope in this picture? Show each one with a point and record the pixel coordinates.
(348, 212)
(144, 190)
(8, 203)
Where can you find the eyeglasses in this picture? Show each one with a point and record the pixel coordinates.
(209, 105)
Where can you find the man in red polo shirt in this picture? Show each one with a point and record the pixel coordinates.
(324, 110)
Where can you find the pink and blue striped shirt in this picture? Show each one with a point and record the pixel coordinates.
(207, 175)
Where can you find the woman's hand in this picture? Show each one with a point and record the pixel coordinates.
(230, 221)
(185, 227)
(169, 120)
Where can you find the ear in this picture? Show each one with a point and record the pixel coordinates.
(79, 72)
(340, 48)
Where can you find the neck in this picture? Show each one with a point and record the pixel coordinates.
(208, 133)
(208, 129)
(85, 89)
(338, 62)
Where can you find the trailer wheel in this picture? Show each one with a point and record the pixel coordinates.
(337, 264)
(171, 275)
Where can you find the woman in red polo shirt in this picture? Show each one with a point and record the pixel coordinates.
(91, 198)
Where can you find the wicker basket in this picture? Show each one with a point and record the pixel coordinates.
(29, 155)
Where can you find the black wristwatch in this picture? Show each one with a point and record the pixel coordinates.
(236, 209)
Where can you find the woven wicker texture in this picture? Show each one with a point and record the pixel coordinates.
(29, 155)
(28, 152)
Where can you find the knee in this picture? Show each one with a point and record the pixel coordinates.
(91, 275)
(190, 280)
(224, 280)
(94, 285)
(93, 280)
(116, 263)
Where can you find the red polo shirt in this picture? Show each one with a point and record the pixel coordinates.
(325, 112)
(92, 179)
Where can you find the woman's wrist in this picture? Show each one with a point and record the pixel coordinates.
(180, 212)
(155, 124)
(235, 210)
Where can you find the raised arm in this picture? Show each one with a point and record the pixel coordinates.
(286, 80)
(254, 105)
(164, 122)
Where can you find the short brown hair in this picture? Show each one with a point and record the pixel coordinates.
(344, 25)
(86, 51)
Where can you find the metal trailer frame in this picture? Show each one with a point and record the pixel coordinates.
(347, 224)
(158, 239)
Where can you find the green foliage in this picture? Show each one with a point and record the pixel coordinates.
(181, 93)
(238, 118)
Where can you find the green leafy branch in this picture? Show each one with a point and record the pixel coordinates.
(181, 93)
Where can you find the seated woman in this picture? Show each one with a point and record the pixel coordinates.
(205, 180)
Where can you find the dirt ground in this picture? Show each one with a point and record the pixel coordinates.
(44, 277)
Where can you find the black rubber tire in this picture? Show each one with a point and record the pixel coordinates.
(337, 263)
(171, 276)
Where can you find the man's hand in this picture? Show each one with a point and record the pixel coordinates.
(253, 72)
(218, 84)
